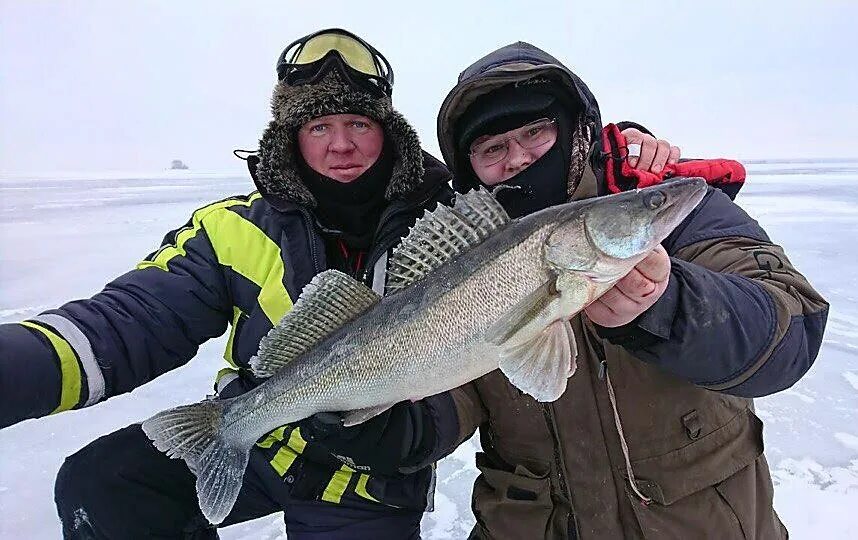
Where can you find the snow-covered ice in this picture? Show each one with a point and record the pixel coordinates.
(64, 237)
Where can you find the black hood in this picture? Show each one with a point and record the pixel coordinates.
(518, 64)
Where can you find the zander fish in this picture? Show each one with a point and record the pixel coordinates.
(469, 291)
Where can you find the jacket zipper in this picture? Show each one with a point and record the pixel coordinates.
(550, 419)
(378, 249)
(313, 239)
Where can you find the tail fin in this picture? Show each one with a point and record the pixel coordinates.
(192, 433)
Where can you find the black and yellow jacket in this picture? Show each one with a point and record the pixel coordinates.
(237, 264)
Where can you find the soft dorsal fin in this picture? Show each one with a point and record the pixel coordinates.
(329, 301)
(441, 235)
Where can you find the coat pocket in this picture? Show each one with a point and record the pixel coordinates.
(691, 487)
(702, 514)
(511, 504)
(749, 494)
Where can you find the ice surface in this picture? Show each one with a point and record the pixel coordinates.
(65, 236)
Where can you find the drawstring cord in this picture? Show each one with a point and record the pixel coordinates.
(613, 398)
(345, 252)
(244, 154)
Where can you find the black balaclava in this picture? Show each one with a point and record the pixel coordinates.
(354, 208)
(545, 182)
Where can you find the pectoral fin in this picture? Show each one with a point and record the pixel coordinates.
(540, 366)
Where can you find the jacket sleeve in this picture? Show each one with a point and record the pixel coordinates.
(143, 324)
(737, 317)
(455, 416)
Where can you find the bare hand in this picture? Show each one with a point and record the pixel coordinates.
(655, 153)
(636, 292)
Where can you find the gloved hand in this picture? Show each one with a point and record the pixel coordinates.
(394, 442)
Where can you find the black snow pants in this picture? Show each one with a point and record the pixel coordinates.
(121, 486)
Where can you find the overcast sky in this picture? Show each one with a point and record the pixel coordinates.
(107, 85)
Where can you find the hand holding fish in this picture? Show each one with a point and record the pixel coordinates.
(634, 293)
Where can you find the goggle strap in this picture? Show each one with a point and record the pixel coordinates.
(382, 65)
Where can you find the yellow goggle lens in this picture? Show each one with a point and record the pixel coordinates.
(353, 52)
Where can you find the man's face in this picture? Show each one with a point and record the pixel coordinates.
(341, 146)
(497, 158)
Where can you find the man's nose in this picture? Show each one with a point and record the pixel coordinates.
(340, 141)
(518, 157)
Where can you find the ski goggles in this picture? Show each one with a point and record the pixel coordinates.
(310, 58)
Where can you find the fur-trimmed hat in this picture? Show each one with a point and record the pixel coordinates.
(293, 106)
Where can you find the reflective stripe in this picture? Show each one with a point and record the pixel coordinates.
(338, 484)
(283, 459)
(360, 489)
(242, 246)
(79, 342)
(379, 274)
(224, 377)
(69, 368)
(227, 353)
(288, 453)
(163, 255)
(274, 436)
(296, 441)
(285, 456)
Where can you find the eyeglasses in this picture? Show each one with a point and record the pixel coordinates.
(530, 136)
(306, 60)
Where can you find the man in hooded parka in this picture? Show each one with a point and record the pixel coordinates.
(655, 436)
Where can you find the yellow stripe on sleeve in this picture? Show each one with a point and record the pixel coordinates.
(227, 353)
(274, 436)
(69, 368)
(360, 489)
(285, 456)
(163, 256)
(242, 246)
(239, 244)
(338, 484)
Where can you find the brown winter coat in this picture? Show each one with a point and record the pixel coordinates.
(559, 470)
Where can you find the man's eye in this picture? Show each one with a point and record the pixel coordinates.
(360, 124)
(318, 128)
(493, 149)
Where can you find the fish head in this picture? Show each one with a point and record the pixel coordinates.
(620, 228)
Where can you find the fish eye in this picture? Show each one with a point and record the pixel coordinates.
(653, 201)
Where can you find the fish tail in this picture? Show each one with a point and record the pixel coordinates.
(194, 433)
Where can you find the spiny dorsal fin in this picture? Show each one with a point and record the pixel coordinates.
(481, 208)
(329, 301)
(441, 235)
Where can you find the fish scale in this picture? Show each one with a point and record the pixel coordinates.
(458, 314)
